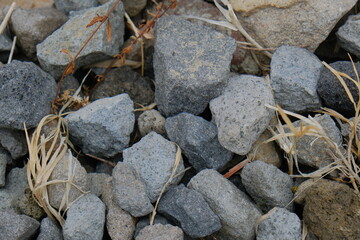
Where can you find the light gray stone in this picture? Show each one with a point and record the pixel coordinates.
(25, 95)
(67, 168)
(189, 210)
(160, 232)
(306, 23)
(32, 26)
(151, 120)
(85, 219)
(72, 35)
(295, 73)
(198, 140)
(49, 230)
(191, 64)
(17, 227)
(154, 157)
(237, 213)
(4, 159)
(240, 113)
(348, 35)
(74, 5)
(14, 141)
(145, 221)
(103, 127)
(267, 185)
(15, 185)
(97, 182)
(129, 191)
(279, 224)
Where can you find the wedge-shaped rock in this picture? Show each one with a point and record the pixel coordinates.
(14, 226)
(348, 35)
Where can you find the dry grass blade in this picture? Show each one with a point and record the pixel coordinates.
(145, 108)
(12, 50)
(7, 17)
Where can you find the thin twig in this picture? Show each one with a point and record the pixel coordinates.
(12, 50)
(112, 164)
(7, 17)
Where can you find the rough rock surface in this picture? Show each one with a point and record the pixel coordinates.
(240, 112)
(251, 5)
(331, 210)
(145, 221)
(332, 92)
(125, 80)
(306, 23)
(198, 140)
(3, 161)
(348, 35)
(27, 205)
(129, 191)
(96, 182)
(103, 127)
(151, 121)
(67, 166)
(154, 157)
(279, 224)
(49, 230)
(17, 227)
(294, 77)
(14, 142)
(188, 208)
(191, 64)
(237, 213)
(5, 43)
(160, 232)
(32, 26)
(85, 219)
(267, 185)
(134, 7)
(25, 94)
(74, 5)
(72, 35)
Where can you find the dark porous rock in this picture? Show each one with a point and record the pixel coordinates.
(4, 160)
(240, 112)
(28, 206)
(191, 64)
(32, 26)
(331, 210)
(199, 141)
(145, 221)
(151, 121)
(14, 141)
(85, 219)
(294, 76)
(25, 95)
(154, 158)
(189, 210)
(134, 7)
(129, 191)
(267, 185)
(279, 224)
(103, 127)
(17, 227)
(72, 35)
(237, 212)
(333, 93)
(49, 230)
(125, 80)
(313, 151)
(348, 35)
(160, 232)
(74, 5)
(5, 43)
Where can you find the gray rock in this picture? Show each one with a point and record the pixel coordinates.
(191, 63)
(306, 23)
(72, 35)
(74, 5)
(85, 219)
(134, 7)
(154, 157)
(4, 158)
(14, 141)
(32, 26)
(199, 141)
(145, 221)
(125, 80)
(103, 127)
(16, 183)
(150, 121)
(279, 224)
(189, 210)
(332, 92)
(25, 95)
(17, 227)
(240, 112)
(294, 76)
(5, 43)
(267, 185)
(160, 232)
(129, 191)
(348, 35)
(97, 182)
(68, 167)
(312, 151)
(49, 230)
(237, 213)
(27, 205)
